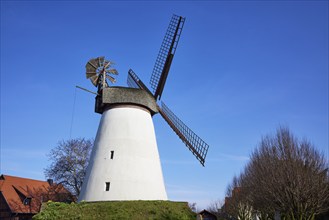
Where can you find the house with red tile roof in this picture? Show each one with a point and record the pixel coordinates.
(21, 198)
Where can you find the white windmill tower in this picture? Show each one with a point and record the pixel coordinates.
(125, 163)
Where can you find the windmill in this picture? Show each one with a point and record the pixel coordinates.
(125, 163)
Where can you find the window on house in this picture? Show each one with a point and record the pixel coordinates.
(107, 186)
(112, 154)
(27, 201)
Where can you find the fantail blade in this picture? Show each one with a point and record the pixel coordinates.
(111, 78)
(112, 71)
(94, 80)
(90, 74)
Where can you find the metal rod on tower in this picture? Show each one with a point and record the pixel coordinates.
(86, 90)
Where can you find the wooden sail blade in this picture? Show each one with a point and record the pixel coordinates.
(91, 68)
(100, 61)
(166, 55)
(107, 64)
(194, 143)
(110, 78)
(94, 80)
(90, 74)
(112, 71)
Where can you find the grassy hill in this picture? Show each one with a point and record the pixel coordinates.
(117, 210)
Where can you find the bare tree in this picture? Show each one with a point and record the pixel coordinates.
(288, 176)
(69, 160)
(237, 203)
(193, 207)
(216, 208)
(234, 184)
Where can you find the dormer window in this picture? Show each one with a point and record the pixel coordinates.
(27, 201)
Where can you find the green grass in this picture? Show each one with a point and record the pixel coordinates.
(117, 210)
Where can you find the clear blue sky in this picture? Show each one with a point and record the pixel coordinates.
(242, 68)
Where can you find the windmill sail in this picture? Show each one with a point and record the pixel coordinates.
(193, 142)
(158, 79)
(166, 55)
(134, 81)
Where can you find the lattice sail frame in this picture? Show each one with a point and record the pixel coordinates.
(166, 55)
(134, 81)
(194, 143)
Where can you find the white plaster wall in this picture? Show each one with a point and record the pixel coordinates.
(135, 171)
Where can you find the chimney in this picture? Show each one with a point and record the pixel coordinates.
(50, 181)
